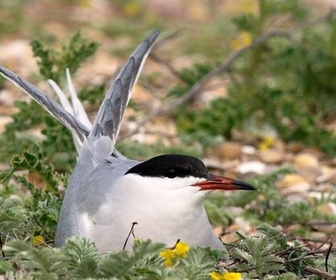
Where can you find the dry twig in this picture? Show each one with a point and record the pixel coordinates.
(319, 272)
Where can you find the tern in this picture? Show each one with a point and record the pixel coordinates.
(108, 193)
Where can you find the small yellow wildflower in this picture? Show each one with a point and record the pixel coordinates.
(131, 9)
(249, 7)
(244, 39)
(225, 276)
(181, 249)
(38, 240)
(170, 255)
(266, 143)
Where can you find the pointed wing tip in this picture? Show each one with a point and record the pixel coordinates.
(10, 76)
(155, 33)
(153, 36)
(5, 72)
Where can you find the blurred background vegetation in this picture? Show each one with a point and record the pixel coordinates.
(286, 83)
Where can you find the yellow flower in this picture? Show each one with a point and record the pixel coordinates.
(225, 276)
(249, 7)
(170, 255)
(181, 249)
(266, 143)
(244, 39)
(132, 9)
(38, 240)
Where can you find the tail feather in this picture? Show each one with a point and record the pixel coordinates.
(79, 111)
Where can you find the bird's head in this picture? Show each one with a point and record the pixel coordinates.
(184, 174)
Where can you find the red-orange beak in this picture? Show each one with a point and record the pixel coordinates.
(216, 182)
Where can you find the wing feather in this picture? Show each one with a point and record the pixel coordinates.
(111, 112)
(51, 106)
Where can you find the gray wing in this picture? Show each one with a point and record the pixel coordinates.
(110, 114)
(51, 106)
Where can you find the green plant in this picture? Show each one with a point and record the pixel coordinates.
(52, 63)
(286, 82)
(271, 254)
(32, 211)
(79, 259)
(267, 255)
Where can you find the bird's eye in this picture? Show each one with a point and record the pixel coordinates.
(171, 173)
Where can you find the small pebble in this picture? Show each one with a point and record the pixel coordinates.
(290, 180)
(305, 160)
(256, 167)
(227, 151)
(272, 156)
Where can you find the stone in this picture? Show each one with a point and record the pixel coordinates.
(272, 156)
(227, 151)
(249, 150)
(290, 180)
(305, 160)
(323, 226)
(308, 166)
(327, 208)
(256, 167)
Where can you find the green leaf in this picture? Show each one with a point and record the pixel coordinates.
(243, 255)
(124, 263)
(5, 267)
(274, 234)
(52, 63)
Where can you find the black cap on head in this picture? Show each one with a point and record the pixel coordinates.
(171, 166)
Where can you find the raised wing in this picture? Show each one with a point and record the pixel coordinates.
(51, 106)
(111, 112)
